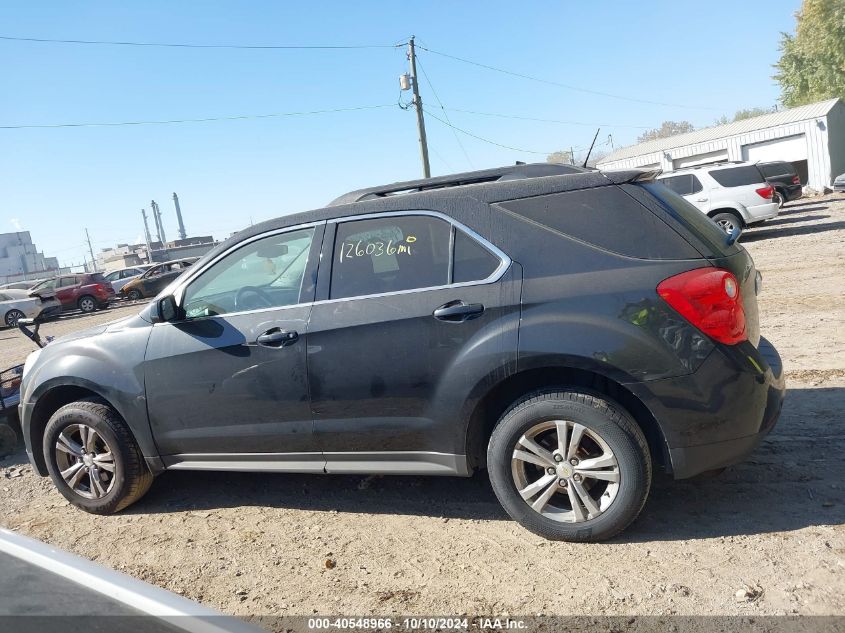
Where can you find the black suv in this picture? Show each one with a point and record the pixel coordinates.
(568, 330)
(784, 178)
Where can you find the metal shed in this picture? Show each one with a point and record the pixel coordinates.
(812, 137)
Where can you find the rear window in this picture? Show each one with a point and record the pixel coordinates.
(737, 176)
(96, 278)
(608, 218)
(693, 220)
(770, 170)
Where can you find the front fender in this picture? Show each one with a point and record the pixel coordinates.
(108, 363)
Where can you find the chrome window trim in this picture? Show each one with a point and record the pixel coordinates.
(504, 261)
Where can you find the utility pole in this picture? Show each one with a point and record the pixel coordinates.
(90, 250)
(412, 58)
(571, 155)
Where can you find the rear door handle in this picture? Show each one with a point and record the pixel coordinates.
(458, 311)
(277, 337)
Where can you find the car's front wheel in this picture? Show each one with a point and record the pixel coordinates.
(93, 459)
(13, 316)
(134, 295)
(569, 465)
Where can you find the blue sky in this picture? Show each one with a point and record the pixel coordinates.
(56, 182)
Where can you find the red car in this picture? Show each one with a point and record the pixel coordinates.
(86, 291)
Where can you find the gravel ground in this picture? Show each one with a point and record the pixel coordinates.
(259, 544)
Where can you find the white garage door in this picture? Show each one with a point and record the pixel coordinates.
(700, 159)
(790, 148)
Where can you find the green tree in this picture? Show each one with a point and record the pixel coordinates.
(562, 156)
(745, 113)
(667, 129)
(812, 62)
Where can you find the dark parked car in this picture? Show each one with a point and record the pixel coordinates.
(569, 332)
(86, 291)
(839, 183)
(784, 178)
(150, 283)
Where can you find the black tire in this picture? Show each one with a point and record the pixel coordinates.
(131, 477)
(12, 317)
(779, 197)
(87, 303)
(726, 219)
(599, 416)
(134, 295)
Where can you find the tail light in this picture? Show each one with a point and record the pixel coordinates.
(766, 192)
(709, 298)
(796, 180)
(100, 287)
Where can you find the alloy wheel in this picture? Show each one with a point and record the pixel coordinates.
(565, 471)
(87, 304)
(85, 461)
(13, 316)
(727, 226)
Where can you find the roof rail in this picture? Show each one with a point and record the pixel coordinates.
(497, 174)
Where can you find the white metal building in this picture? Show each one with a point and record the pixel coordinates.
(20, 259)
(812, 137)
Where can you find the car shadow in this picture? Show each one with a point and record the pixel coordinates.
(792, 481)
(752, 235)
(796, 210)
(781, 221)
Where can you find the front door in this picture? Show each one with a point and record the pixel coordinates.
(406, 331)
(227, 384)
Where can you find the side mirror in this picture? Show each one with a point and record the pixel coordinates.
(167, 309)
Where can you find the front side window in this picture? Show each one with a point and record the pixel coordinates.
(266, 273)
(390, 254)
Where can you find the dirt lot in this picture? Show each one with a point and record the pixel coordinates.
(258, 544)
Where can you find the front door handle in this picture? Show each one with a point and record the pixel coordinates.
(277, 337)
(458, 311)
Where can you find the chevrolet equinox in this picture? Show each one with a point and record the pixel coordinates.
(568, 330)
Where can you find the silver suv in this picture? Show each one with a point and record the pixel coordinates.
(733, 195)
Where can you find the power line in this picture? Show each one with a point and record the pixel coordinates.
(203, 120)
(445, 114)
(516, 149)
(529, 118)
(562, 85)
(481, 138)
(41, 40)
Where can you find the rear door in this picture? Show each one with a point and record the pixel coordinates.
(402, 334)
(67, 289)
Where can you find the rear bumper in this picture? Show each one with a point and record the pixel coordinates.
(761, 212)
(793, 192)
(717, 415)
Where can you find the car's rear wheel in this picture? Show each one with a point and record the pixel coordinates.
(93, 459)
(728, 222)
(778, 198)
(13, 316)
(87, 303)
(570, 465)
(134, 295)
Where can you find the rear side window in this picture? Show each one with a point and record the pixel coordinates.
(737, 176)
(683, 185)
(390, 254)
(692, 219)
(97, 278)
(608, 218)
(472, 261)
